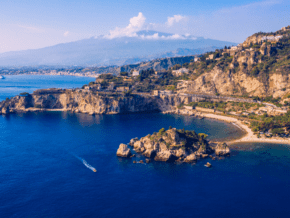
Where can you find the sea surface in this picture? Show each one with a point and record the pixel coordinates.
(14, 85)
(42, 173)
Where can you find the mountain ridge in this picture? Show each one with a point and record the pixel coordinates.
(101, 51)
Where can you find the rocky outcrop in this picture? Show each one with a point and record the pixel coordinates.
(173, 145)
(257, 67)
(80, 101)
(222, 149)
(190, 158)
(123, 151)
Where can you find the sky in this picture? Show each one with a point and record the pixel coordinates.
(32, 24)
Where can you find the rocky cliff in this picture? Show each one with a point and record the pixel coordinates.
(258, 67)
(80, 101)
(175, 145)
(87, 101)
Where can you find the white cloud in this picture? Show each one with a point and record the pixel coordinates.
(175, 19)
(66, 33)
(139, 23)
(136, 24)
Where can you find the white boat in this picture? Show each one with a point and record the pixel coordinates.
(2, 77)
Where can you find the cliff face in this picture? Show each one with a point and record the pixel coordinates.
(89, 102)
(80, 101)
(176, 145)
(258, 67)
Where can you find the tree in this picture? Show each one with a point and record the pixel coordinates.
(124, 74)
(202, 135)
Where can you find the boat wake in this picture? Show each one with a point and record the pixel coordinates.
(89, 166)
(86, 164)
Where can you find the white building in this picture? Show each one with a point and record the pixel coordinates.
(179, 72)
(136, 73)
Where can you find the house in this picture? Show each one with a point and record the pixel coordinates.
(96, 86)
(135, 73)
(99, 80)
(210, 57)
(155, 92)
(196, 59)
(180, 72)
(122, 89)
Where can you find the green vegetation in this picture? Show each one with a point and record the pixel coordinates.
(24, 94)
(277, 125)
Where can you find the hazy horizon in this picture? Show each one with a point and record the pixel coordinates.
(38, 24)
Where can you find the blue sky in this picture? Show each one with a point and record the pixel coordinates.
(31, 24)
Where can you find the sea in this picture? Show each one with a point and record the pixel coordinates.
(15, 84)
(47, 161)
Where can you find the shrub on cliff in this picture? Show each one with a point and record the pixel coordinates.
(161, 131)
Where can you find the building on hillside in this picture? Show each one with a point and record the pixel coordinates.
(122, 89)
(180, 72)
(161, 92)
(96, 86)
(135, 73)
(99, 80)
(210, 57)
(187, 99)
(196, 59)
(111, 86)
(155, 92)
(285, 28)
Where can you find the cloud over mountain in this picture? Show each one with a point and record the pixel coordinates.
(138, 24)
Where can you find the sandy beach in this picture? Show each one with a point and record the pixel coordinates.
(250, 136)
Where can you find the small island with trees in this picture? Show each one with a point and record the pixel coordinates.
(174, 145)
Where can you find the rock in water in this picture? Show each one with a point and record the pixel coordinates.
(165, 156)
(190, 158)
(222, 149)
(207, 164)
(123, 151)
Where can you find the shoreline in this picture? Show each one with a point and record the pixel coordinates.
(248, 137)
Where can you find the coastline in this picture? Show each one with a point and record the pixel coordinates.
(250, 136)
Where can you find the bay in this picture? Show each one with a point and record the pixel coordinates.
(41, 174)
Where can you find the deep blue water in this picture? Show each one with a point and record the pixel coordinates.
(41, 175)
(14, 85)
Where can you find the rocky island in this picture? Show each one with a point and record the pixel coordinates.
(174, 145)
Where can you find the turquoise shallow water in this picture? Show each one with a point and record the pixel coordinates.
(41, 176)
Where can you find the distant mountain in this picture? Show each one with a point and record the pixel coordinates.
(102, 51)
